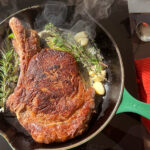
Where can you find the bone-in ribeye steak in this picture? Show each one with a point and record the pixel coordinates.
(50, 99)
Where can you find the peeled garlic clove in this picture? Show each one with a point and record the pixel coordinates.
(79, 35)
(99, 88)
(97, 78)
(84, 41)
(103, 73)
(91, 73)
(93, 67)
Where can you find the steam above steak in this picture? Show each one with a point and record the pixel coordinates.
(50, 99)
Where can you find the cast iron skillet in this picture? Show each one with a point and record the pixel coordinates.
(106, 106)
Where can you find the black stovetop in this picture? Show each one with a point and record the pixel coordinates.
(124, 131)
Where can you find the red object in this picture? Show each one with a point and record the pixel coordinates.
(143, 81)
(145, 24)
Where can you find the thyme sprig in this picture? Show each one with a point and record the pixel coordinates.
(59, 41)
(9, 64)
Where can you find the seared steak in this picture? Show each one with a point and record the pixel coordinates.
(50, 99)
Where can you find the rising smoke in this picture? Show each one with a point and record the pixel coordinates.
(56, 12)
(99, 9)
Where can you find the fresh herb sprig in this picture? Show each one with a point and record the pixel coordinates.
(58, 41)
(9, 64)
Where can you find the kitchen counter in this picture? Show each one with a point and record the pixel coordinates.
(140, 50)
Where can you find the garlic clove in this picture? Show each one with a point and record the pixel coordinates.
(82, 38)
(99, 88)
(91, 73)
(103, 73)
(97, 78)
(79, 35)
(84, 41)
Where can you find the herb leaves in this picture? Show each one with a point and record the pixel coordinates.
(9, 64)
(60, 41)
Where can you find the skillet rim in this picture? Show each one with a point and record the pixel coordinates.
(119, 97)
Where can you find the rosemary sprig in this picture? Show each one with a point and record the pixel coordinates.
(56, 40)
(9, 64)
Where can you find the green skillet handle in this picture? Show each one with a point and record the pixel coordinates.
(130, 104)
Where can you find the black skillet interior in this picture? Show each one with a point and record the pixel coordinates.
(9, 126)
